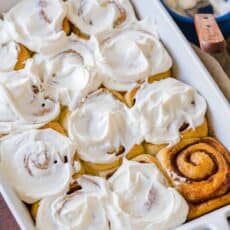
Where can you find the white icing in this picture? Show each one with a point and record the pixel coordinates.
(8, 55)
(69, 75)
(163, 107)
(37, 24)
(82, 209)
(129, 56)
(144, 200)
(100, 126)
(34, 163)
(135, 197)
(24, 103)
(98, 16)
(220, 6)
(77, 166)
(9, 50)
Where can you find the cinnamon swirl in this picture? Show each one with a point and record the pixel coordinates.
(200, 170)
(37, 163)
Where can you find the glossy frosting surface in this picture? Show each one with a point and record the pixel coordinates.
(38, 163)
(98, 16)
(163, 107)
(128, 56)
(102, 128)
(41, 29)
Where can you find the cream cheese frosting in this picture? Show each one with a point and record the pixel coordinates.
(102, 128)
(9, 50)
(82, 209)
(24, 103)
(144, 198)
(182, 6)
(163, 107)
(37, 24)
(128, 56)
(37, 163)
(98, 16)
(68, 75)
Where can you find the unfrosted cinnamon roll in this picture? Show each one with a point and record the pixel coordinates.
(98, 16)
(37, 163)
(167, 111)
(103, 130)
(129, 56)
(84, 208)
(38, 24)
(145, 201)
(70, 74)
(24, 102)
(200, 170)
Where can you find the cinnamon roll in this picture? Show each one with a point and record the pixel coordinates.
(37, 163)
(145, 201)
(24, 102)
(38, 24)
(84, 208)
(200, 170)
(13, 55)
(103, 130)
(168, 110)
(98, 16)
(70, 74)
(128, 57)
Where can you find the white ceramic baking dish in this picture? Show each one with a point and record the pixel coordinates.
(188, 68)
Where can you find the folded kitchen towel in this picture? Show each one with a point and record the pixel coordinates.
(220, 76)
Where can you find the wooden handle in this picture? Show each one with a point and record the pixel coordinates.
(210, 37)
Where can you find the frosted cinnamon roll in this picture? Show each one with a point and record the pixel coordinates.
(37, 163)
(98, 16)
(42, 29)
(13, 55)
(84, 208)
(127, 57)
(24, 103)
(70, 74)
(103, 130)
(169, 110)
(145, 200)
(200, 170)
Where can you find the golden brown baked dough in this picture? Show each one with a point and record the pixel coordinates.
(66, 26)
(107, 169)
(200, 169)
(79, 33)
(23, 55)
(34, 210)
(56, 126)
